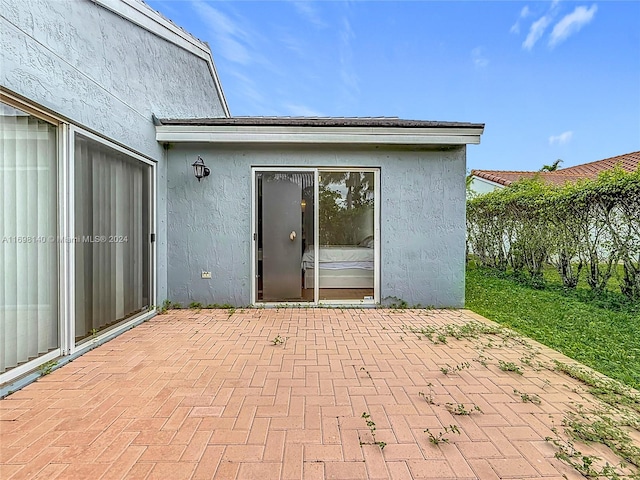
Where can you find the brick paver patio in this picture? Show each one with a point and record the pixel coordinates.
(210, 395)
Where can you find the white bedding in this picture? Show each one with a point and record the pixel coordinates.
(341, 265)
(338, 254)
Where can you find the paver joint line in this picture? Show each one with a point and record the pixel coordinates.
(208, 394)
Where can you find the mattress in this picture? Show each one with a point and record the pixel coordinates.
(337, 257)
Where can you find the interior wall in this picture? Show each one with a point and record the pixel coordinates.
(422, 219)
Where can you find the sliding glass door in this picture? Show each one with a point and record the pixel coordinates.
(337, 262)
(347, 235)
(112, 236)
(29, 283)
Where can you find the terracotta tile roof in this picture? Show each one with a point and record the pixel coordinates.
(629, 162)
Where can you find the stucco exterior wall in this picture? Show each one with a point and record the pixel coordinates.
(422, 219)
(106, 74)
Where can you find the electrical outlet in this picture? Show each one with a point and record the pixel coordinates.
(206, 274)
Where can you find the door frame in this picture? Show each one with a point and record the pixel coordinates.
(254, 230)
(316, 189)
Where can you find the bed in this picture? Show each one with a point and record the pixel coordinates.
(340, 266)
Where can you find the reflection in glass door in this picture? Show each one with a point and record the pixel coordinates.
(284, 230)
(346, 235)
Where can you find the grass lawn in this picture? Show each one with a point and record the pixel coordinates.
(603, 332)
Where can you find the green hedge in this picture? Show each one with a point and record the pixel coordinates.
(587, 227)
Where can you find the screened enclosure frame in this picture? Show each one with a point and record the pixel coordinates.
(317, 172)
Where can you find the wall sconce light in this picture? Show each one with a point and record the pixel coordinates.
(200, 170)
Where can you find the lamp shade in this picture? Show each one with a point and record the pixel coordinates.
(200, 170)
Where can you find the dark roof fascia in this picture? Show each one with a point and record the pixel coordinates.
(373, 122)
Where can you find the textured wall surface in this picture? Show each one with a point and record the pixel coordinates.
(101, 70)
(106, 74)
(422, 219)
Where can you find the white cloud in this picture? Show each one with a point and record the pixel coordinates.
(294, 44)
(308, 11)
(536, 31)
(561, 139)
(348, 74)
(524, 13)
(231, 40)
(479, 58)
(572, 23)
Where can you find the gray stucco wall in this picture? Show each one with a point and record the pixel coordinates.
(422, 219)
(106, 74)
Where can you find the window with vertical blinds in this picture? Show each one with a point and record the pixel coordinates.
(28, 237)
(112, 227)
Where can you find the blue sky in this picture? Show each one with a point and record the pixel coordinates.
(550, 79)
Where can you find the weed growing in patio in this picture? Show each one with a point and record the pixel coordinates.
(589, 466)
(440, 437)
(527, 398)
(609, 391)
(47, 368)
(482, 360)
(610, 426)
(457, 368)
(372, 428)
(509, 367)
(600, 427)
(396, 304)
(468, 330)
(278, 340)
(166, 305)
(428, 397)
(461, 409)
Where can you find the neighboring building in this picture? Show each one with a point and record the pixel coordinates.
(102, 217)
(485, 181)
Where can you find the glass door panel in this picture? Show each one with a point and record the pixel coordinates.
(346, 235)
(29, 230)
(112, 248)
(285, 230)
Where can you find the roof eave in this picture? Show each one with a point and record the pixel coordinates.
(319, 135)
(499, 182)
